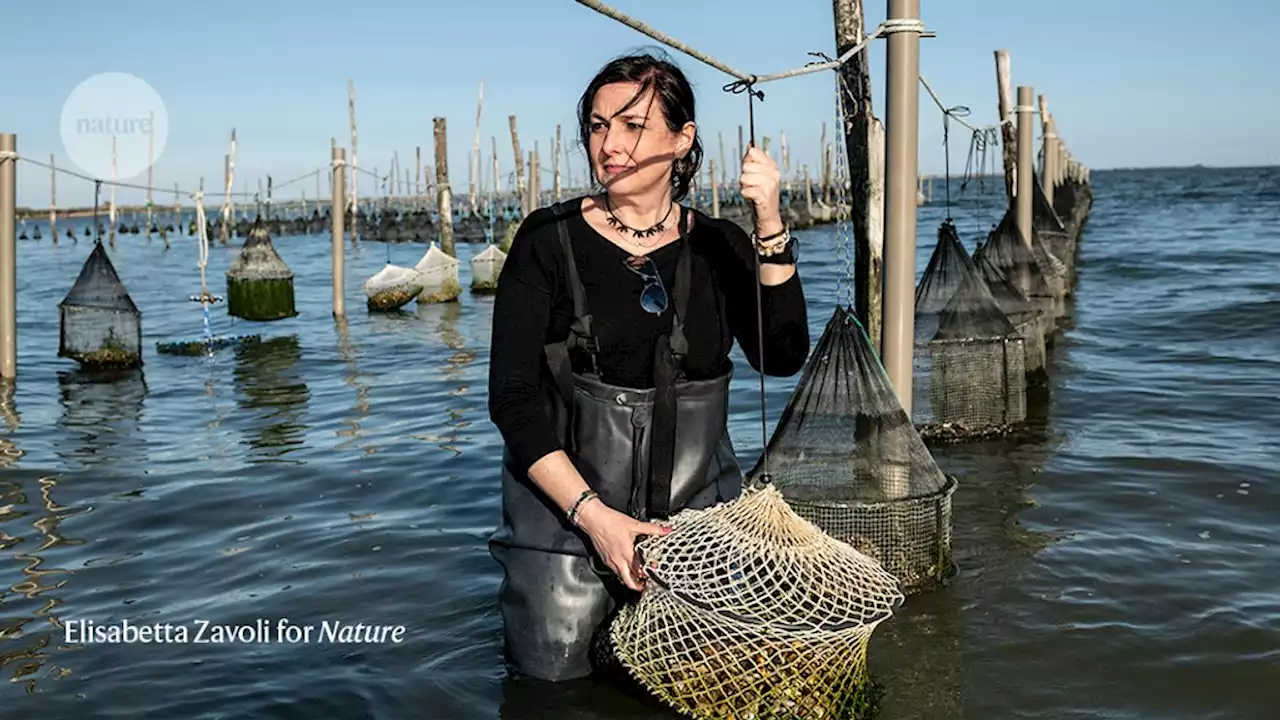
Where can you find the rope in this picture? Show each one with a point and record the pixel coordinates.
(941, 106)
(886, 28)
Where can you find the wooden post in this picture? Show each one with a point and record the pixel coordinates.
(808, 194)
(496, 192)
(8, 257)
(473, 198)
(111, 212)
(151, 141)
(444, 193)
(715, 189)
(1008, 135)
(866, 178)
(555, 153)
(902, 138)
(497, 179)
(268, 197)
(824, 169)
(355, 164)
(724, 168)
(520, 189)
(53, 199)
(1026, 158)
(417, 172)
(786, 162)
(338, 206)
(535, 181)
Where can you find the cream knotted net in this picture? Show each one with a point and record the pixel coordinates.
(752, 612)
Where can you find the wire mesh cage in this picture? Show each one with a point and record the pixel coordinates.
(101, 327)
(259, 283)
(1027, 266)
(969, 375)
(1058, 242)
(751, 611)
(1032, 325)
(847, 457)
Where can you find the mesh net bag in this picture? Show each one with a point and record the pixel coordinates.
(969, 372)
(392, 287)
(1028, 268)
(1030, 324)
(101, 327)
(1049, 225)
(486, 268)
(751, 611)
(439, 276)
(259, 283)
(847, 458)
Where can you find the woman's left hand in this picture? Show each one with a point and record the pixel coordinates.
(761, 182)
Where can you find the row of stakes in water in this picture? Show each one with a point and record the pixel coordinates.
(101, 327)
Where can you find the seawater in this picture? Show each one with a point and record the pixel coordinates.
(1120, 564)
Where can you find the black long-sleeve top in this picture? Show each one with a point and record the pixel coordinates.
(534, 307)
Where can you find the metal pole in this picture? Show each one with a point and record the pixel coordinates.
(902, 130)
(8, 257)
(338, 206)
(1026, 161)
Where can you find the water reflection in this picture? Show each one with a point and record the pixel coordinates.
(9, 452)
(102, 411)
(454, 371)
(30, 628)
(272, 397)
(348, 352)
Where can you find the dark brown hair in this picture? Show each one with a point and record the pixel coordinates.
(672, 90)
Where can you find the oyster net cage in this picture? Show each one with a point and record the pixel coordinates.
(969, 361)
(751, 611)
(846, 457)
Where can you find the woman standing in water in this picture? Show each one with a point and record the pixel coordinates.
(609, 367)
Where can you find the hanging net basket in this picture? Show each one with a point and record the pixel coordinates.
(486, 267)
(846, 457)
(1058, 242)
(1031, 325)
(259, 283)
(392, 287)
(1028, 268)
(969, 374)
(751, 611)
(100, 325)
(439, 276)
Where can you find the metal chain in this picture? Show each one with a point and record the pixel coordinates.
(844, 216)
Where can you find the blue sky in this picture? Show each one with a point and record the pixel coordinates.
(1132, 83)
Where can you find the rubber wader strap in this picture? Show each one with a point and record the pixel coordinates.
(580, 336)
(668, 370)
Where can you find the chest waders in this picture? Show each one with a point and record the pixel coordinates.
(647, 453)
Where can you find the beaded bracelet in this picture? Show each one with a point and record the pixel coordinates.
(576, 508)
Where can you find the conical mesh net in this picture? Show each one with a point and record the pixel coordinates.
(100, 324)
(751, 611)
(969, 372)
(846, 457)
(1032, 326)
(1027, 267)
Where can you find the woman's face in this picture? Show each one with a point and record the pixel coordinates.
(632, 151)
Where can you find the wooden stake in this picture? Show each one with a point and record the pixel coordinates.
(520, 187)
(555, 154)
(866, 180)
(473, 200)
(151, 141)
(53, 199)
(1008, 131)
(355, 164)
(444, 193)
